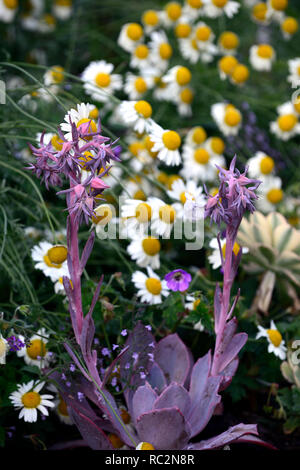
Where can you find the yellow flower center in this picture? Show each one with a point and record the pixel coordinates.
(143, 213)
(203, 33)
(63, 3)
(115, 441)
(62, 408)
(125, 416)
(142, 51)
(275, 337)
(11, 4)
(171, 180)
(183, 30)
(150, 18)
(297, 105)
(140, 85)
(240, 73)
(49, 20)
(103, 215)
(290, 25)
(57, 73)
(143, 108)
(87, 157)
(151, 246)
(167, 214)
(134, 31)
(183, 76)
(265, 51)
(165, 51)
(259, 11)
(199, 135)
(217, 145)
(135, 148)
(266, 165)
(145, 446)
(57, 142)
(102, 79)
(275, 195)
(227, 64)
(57, 255)
(236, 249)
(31, 399)
(149, 145)
(201, 156)
(287, 122)
(2, 347)
(279, 4)
(36, 348)
(214, 191)
(186, 95)
(162, 178)
(183, 197)
(92, 126)
(219, 3)
(94, 113)
(196, 303)
(294, 220)
(195, 3)
(171, 140)
(173, 10)
(232, 116)
(140, 195)
(153, 286)
(229, 40)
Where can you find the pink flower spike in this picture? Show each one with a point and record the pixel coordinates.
(97, 183)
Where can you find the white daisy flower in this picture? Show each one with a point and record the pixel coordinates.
(61, 410)
(78, 116)
(51, 259)
(99, 81)
(145, 251)
(204, 37)
(28, 399)
(141, 57)
(32, 232)
(163, 218)
(189, 49)
(286, 126)
(136, 85)
(192, 9)
(166, 143)
(8, 10)
(137, 188)
(47, 24)
(36, 353)
(260, 13)
(228, 43)
(171, 14)
(177, 77)
(150, 20)
(54, 76)
(294, 72)
(182, 192)
(274, 337)
(289, 26)
(215, 145)
(290, 108)
(184, 101)
(192, 302)
(200, 164)
(150, 287)
(137, 114)
(4, 347)
(161, 50)
(276, 9)
(261, 57)
(195, 137)
(227, 117)
(260, 166)
(215, 8)
(130, 36)
(215, 257)
(62, 9)
(137, 214)
(270, 194)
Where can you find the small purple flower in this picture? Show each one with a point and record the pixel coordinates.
(115, 346)
(80, 396)
(105, 352)
(178, 280)
(124, 333)
(15, 344)
(148, 327)
(72, 367)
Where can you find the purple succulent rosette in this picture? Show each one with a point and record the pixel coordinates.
(178, 280)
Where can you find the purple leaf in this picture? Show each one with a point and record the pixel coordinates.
(173, 358)
(217, 306)
(112, 365)
(91, 433)
(165, 429)
(87, 251)
(143, 400)
(156, 378)
(231, 435)
(229, 347)
(174, 396)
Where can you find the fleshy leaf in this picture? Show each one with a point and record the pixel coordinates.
(173, 358)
